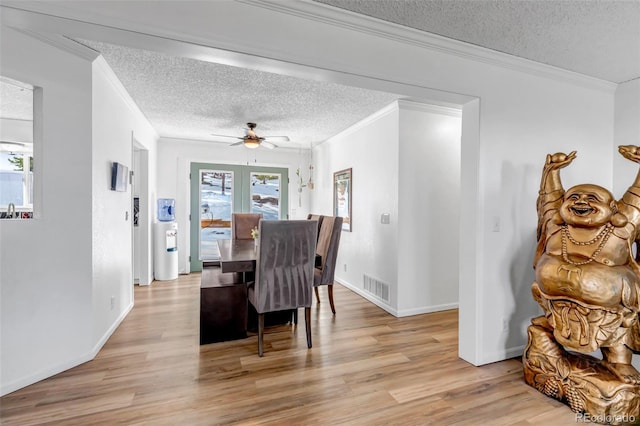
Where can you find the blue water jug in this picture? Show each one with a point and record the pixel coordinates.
(166, 209)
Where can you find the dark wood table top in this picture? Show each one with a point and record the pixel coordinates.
(237, 255)
(240, 256)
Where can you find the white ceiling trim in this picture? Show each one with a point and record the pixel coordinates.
(60, 42)
(393, 107)
(435, 109)
(369, 25)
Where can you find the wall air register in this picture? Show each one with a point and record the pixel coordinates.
(376, 287)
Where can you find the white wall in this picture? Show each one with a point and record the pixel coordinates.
(175, 157)
(46, 263)
(429, 208)
(370, 149)
(405, 161)
(627, 132)
(516, 132)
(116, 121)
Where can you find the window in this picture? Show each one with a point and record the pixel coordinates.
(16, 177)
(218, 190)
(16, 144)
(216, 207)
(265, 195)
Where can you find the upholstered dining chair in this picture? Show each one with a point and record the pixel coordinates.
(327, 248)
(284, 271)
(242, 224)
(317, 217)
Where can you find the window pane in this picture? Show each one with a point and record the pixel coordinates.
(265, 195)
(11, 177)
(216, 205)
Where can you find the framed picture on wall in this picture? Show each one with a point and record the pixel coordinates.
(342, 189)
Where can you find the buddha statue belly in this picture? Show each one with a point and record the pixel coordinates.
(609, 287)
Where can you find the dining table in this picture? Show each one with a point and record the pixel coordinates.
(240, 256)
(224, 307)
(225, 311)
(237, 255)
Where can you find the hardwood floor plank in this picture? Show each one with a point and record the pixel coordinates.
(365, 367)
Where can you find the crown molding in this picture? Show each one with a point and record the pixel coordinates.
(396, 106)
(434, 109)
(61, 42)
(331, 15)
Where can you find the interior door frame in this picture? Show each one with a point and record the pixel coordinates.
(241, 198)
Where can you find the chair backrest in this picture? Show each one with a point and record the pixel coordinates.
(242, 224)
(317, 217)
(284, 265)
(328, 243)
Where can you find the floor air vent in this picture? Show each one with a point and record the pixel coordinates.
(376, 287)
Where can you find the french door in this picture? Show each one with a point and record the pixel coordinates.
(218, 190)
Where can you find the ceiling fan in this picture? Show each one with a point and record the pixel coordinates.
(252, 140)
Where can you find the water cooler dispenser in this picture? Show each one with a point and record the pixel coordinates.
(166, 241)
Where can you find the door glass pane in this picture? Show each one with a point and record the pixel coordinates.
(216, 205)
(265, 195)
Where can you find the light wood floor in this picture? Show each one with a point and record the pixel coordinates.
(365, 367)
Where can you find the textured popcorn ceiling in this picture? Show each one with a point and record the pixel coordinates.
(16, 100)
(191, 99)
(599, 38)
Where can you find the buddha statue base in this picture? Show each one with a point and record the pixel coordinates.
(581, 381)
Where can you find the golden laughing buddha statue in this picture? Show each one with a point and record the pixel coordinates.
(588, 285)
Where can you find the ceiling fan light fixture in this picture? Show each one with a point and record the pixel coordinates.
(251, 143)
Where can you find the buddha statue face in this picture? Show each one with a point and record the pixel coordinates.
(587, 206)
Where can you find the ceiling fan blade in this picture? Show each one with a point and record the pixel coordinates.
(277, 138)
(226, 136)
(268, 145)
(237, 143)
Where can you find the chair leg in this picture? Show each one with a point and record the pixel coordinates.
(317, 295)
(294, 316)
(330, 289)
(260, 334)
(307, 323)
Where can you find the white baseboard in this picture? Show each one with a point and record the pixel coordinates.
(368, 296)
(22, 382)
(111, 330)
(393, 311)
(428, 309)
(507, 353)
